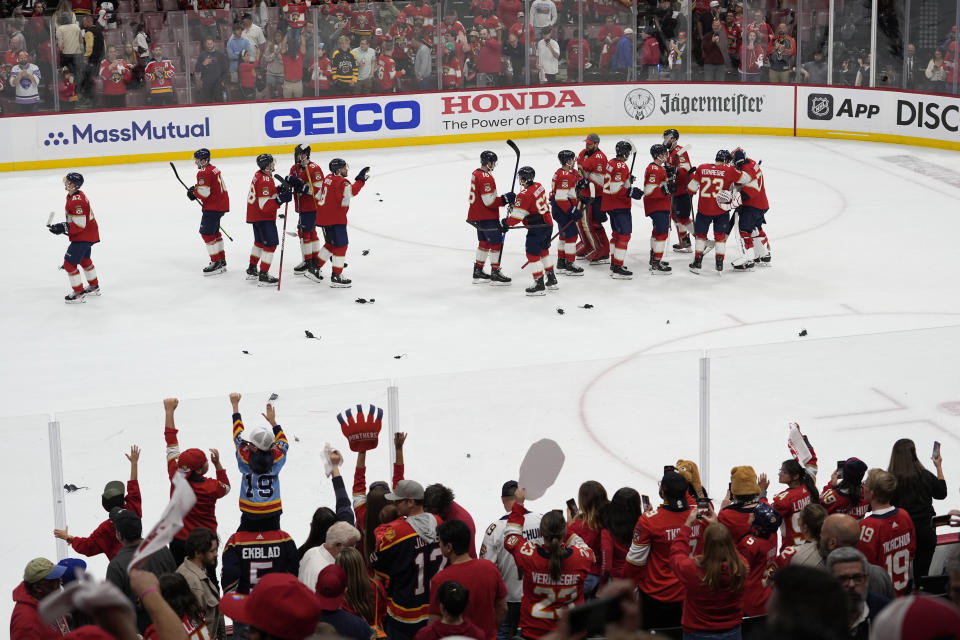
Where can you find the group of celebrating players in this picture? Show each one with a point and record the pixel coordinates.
(588, 189)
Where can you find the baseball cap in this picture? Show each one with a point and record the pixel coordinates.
(42, 569)
(406, 490)
(192, 459)
(673, 484)
(279, 605)
(113, 489)
(509, 488)
(627, 31)
(592, 138)
(127, 522)
(378, 32)
(331, 585)
(916, 618)
(262, 438)
(72, 566)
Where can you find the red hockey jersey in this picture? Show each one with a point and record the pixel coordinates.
(709, 179)
(655, 199)
(789, 504)
(648, 559)
(210, 190)
(563, 189)
(333, 202)
(80, 219)
(484, 202)
(313, 176)
(261, 201)
(616, 186)
(888, 540)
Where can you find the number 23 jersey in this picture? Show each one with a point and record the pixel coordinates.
(710, 179)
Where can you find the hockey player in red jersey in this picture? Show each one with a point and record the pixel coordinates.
(681, 206)
(887, 536)
(333, 202)
(531, 209)
(82, 230)
(565, 210)
(553, 571)
(618, 190)
(750, 215)
(214, 202)
(713, 181)
(306, 179)
(484, 216)
(592, 163)
(657, 187)
(263, 202)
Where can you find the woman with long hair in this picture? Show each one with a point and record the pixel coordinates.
(844, 494)
(587, 523)
(801, 491)
(176, 591)
(372, 501)
(619, 521)
(714, 581)
(916, 490)
(364, 596)
(554, 571)
(936, 72)
(324, 517)
(752, 58)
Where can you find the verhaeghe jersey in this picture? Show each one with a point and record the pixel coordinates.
(648, 559)
(492, 549)
(259, 492)
(407, 562)
(888, 540)
(210, 190)
(250, 555)
(710, 179)
(484, 202)
(82, 225)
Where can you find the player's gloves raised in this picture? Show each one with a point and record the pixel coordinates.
(504, 224)
(363, 175)
(57, 229)
(509, 197)
(671, 171)
(284, 197)
(636, 193)
(582, 184)
(295, 183)
(363, 431)
(192, 193)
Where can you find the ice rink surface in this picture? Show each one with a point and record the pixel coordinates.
(861, 260)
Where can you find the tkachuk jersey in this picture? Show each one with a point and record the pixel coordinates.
(210, 190)
(531, 206)
(407, 563)
(679, 158)
(543, 597)
(888, 540)
(484, 202)
(563, 189)
(492, 549)
(312, 175)
(333, 201)
(751, 177)
(259, 492)
(250, 555)
(82, 225)
(835, 501)
(654, 183)
(648, 559)
(592, 167)
(261, 201)
(616, 186)
(710, 179)
(789, 504)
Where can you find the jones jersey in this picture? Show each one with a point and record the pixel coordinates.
(710, 179)
(531, 206)
(654, 199)
(789, 504)
(679, 158)
(250, 555)
(484, 202)
(563, 188)
(835, 501)
(592, 167)
(210, 190)
(261, 201)
(259, 492)
(333, 201)
(616, 186)
(648, 559)
(312, 176)
(407, 563)
(80, 220)
(751, 177)
(888, 540)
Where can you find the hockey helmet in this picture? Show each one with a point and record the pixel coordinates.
(566, 156)
(723, 156)
(526, 174)
(487, 157)
(299, 151)
(670, 136)
(336, 164)
(74, 178)
(739, 157)
(264, 160)
(658, 150)
(624, 149)
(202, 154)
(766, 520)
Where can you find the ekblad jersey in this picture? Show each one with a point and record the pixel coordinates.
(888, 540)
(312, 175)
(492, 549)
(563, 189)
(789, 504)
(210, 190)
(679, 158)
(592, 167)
(543, 597)
(82, 225)
(531, 207)
(751, 179)
(616, 186)
(407, 563)
(250, 555)
(654, 199)
(259, 492)
(484, 202)
(333, 201)
(261, 201)
(835, 501)
(710, 179)
(648, 559)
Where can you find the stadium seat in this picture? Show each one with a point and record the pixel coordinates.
(125, 6)
(181, 96)
(170, 5)
(155, 26)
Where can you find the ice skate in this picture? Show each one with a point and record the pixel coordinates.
(313, 271)
(266, 280)
(660, 268)
(569, 269)
(538, 288)
(302, 268)
(479, 277)
(696, 265)
(619, 272)
(497, 279)
(552, 283)
(91, 290)
(74, 298)
(214, 268)
(684, 246)
(719, 263)
(337, 281)
(252, 273)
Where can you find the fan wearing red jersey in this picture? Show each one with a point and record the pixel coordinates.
(681, 204)
(306, 179)
(207, 490)
(887, 536)
(82, 230)
(844, 494)
(530, 209)
(160, 72)
(484, 216)
(592, 163)
(263, 202)
(333, 202)
(750, 215)
(618, 190)
(745, 493)
(553, 572)
(759, 549)
(657, 187)
(801, 491)
(211, 193)
(713, 181)
(648, 559)
(563, 206)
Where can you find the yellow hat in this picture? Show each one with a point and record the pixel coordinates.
(688, 469)
(743, 482)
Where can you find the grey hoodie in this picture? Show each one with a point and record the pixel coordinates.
(425, 524)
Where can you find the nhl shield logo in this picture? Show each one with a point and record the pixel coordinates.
(820, 106)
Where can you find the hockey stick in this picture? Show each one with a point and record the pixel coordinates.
(50, 219)
(283, 236)
(516, 168)
(177, 175)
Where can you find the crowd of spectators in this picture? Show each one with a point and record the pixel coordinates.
(400, 560)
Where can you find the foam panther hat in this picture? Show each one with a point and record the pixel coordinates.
(363, 431)
(689, 470)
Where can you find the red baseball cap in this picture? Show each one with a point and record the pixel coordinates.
(279, 605)
(192, 459)
(917, 618)
(331, 585)
(89, 632)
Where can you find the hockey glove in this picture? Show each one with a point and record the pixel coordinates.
(192, 193)
(363, 432)
(671, 171)
(509, 197)
(744, 196)
(505, 224)
(576, 213)
(60, 227)
(582, 184)
(284, 197)
(296, 183)
(671, 185)
(363, 175)
(636, 193)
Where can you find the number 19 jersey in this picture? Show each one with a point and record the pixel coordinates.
(888, 540)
